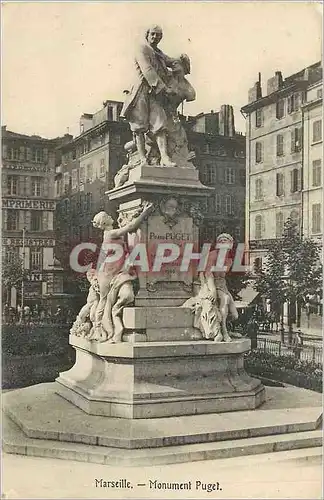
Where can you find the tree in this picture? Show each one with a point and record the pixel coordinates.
(292, 272)
(12, 275)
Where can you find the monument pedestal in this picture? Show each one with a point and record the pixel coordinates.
(150, 380)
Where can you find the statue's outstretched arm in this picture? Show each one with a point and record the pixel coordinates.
(134, 224)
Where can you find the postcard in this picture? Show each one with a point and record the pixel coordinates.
(162, 250)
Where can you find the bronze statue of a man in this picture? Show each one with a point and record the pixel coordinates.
(146, 103)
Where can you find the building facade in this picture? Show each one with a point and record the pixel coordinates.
(220, 158)
(277, 164)
(88, 165)
(91, 160)
(312, 204)
(28, 206)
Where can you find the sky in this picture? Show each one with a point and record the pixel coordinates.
(60, 60)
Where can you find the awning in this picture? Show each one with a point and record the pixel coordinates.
(249, 296)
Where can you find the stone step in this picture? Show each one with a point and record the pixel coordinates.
(43, 414)
(15, 441)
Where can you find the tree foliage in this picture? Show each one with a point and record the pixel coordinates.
(293, 269)
(12, 273)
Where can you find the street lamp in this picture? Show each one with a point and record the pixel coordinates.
(22, 281)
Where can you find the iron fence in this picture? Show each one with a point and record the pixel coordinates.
(310, 353)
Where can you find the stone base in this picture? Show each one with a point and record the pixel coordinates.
(161, 180)
(149, 380)
(38, 422)
(161, 323)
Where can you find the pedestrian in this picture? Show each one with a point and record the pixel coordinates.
(308, 312)
(12, 315)
(6, 314)
(298, 344)
(27, 315)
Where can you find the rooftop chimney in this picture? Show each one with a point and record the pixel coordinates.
(274, 83)
(226, 121)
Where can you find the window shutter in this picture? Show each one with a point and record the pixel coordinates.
(5, 218)
(45, 190)
(292, 181)
(4, 183)
(45, 221)
(22, 186)
(299, 180)
(297, 101)
(27, 219)
(262, 225)
(277, 184)
(27, 186)
(293, 141)
(299, 137)
(21, 219)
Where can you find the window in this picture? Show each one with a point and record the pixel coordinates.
(295, 180)
(229, 175)
(37, 155)
(294, 102)
(12, 184)
(206, 148)
(12, 220)
(89, 172)
(280, 145)
(228, 204)
(258, 189)
(82, 174)
(279, 224)
(36, 186)
(35, 258)
(74, 178)
(259, 117)
(319, 93)
(242, 177)
(58, 187)
(102, 170)
(36, 221)
(279, 184)
(110, 115)
(86, 146)
(258, 227)
(316, 218)
(218, 203)
(88, 202)
(209, 175)
(317, 173)
(296, 140)
(317, 131)
(116, 139)
(280, 109)
(13, 153)
(12, 255)
(258, 152)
